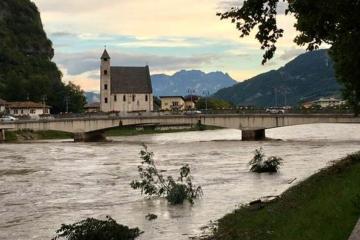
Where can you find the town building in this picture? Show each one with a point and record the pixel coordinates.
(172, 103)
(2, 105)
(124, 89)
(92, 107)
(329, 102)
(28, 109)
(190, 101)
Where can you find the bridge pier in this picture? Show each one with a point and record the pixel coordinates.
(253, 135)
(89, 137)
(2, 135)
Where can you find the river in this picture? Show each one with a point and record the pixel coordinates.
(43, 185)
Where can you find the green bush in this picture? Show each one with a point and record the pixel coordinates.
(153, 183)
(94, 229)
(259, 164)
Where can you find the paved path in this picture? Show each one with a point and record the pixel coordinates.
(356, 233)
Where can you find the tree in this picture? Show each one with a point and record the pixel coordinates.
(153, 183)
(213, 103)
(333, 22)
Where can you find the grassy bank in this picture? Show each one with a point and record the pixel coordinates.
(130, 131)
(326, 206)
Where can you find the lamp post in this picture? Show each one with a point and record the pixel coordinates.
(191, 91)
(44, 98)
(206, 93)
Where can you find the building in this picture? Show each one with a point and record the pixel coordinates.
(124, 89)
(92, 107)
(190, 101)
(329, 102)
(28, 109)
(2, 105)
(172, 103)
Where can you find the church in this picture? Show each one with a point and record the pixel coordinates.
(124, 89)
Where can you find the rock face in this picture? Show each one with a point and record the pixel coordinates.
(307, 77)
(26, 69)
(182, 81)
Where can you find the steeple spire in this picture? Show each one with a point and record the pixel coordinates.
(105, 54)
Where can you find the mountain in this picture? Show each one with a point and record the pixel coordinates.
(307, 77)
(92, 97)
(182, 81)
(26, 69)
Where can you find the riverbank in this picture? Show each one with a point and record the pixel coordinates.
(28, 135)
(325, 206)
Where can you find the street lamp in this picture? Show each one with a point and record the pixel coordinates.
(206, 93)
(191, 91)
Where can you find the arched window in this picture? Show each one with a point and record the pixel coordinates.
(133, 97)
(115, 98)
(124, 98)
(105, 72)
(146, 98)
(106, 100)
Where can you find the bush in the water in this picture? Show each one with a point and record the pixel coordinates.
(259, 164)
(94, 229)
(153, 183)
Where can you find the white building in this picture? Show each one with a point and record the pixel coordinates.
(27, 109)
(124, 89)
(172, 103)
(329, 102)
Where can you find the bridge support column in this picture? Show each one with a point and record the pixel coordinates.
(2, 135)
(89, 137)
(253, 135)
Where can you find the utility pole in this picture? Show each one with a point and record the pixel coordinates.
(276, 101)
(44, 99)
(191, 92)
(67, 98)
(206, 93)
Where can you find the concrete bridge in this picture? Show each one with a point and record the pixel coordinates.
(253, 126)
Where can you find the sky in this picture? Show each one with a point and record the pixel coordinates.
(167, 35)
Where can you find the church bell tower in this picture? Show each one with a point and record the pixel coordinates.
(105, 83)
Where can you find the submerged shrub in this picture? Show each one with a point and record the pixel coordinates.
(259, 165)
(153, 183)
(94, 229)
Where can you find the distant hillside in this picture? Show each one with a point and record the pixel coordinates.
(307, 77)
(26, 69)
(180, 82)
(92, 97)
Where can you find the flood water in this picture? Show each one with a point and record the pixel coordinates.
(43, 185)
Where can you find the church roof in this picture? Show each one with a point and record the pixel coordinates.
(130, 80)
(105, 55)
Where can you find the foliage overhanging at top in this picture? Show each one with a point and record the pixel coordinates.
(333, 22)
(26, 69)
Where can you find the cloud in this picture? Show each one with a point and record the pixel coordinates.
(79, 63)
(291, 53)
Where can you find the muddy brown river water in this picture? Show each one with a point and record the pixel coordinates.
(45, 184)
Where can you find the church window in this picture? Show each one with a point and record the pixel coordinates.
(106, 100)
(124, 98)
(105, 72)
(133, 98)
(105, 59)
(115, 98)
(105, 86)
(146, 98)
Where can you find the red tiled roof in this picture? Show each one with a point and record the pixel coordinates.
(92, 105)
(27, 104)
